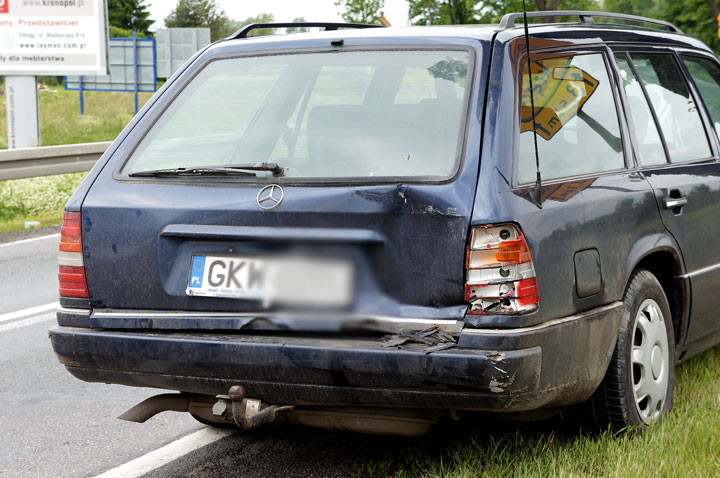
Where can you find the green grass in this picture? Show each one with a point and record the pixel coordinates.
(687, 443)
(35, 199)
(42, 199)
(106, 114)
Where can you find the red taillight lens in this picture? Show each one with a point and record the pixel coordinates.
(72, 281)
(500, 273)
(71, 232)
(527, 293)
(71, 275)
(72, 224)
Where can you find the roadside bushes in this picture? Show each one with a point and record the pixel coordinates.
(31, 198)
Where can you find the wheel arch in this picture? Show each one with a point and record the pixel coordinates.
(660, 255)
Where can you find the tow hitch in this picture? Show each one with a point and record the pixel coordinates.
(234, 407)
(247, 413)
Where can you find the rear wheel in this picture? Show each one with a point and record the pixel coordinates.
(638, 387)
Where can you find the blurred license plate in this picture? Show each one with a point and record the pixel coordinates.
(287, 279)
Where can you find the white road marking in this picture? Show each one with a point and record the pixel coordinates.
(27, 312)
(167, 454)
(26, 322)
(32, 239)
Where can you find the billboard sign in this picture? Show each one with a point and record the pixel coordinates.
(132, 65)
(176, 45)
(53, 37)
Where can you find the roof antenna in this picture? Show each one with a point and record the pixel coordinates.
(535, 194)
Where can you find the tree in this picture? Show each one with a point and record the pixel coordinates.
(129, 14)
(360, 11)
(647, 8)
(697, 18)
(261, 18)
(298, 29)
(714, 8)
(117, 32)
(449, 12)
(546, 5)
(200, 13)
(444, 12)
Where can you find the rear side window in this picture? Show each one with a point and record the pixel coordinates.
(650, 147)
(576, 119)
(674, 106)
(706, 75)
(358, 114)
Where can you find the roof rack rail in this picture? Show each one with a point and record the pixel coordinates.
(243, 32)
(508, 21)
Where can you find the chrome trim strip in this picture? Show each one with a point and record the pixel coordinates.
(154, 314)
(67, 310)
(545, 325)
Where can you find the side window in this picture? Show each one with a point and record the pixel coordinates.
(576, 119)
(675, 108)
(650, 147)
(706, 75)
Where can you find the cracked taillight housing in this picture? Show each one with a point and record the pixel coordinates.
(500, 277)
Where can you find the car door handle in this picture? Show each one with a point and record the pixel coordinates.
(672, 203)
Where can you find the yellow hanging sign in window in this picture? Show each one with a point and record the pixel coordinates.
(560, 91)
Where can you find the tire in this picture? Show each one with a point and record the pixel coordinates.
(639, 383)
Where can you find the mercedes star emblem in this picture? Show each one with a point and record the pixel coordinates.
(270, 197)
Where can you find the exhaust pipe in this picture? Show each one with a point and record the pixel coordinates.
(147, 409)
(234, 407)
(245, 413)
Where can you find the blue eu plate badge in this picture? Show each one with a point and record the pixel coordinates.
(198, 268)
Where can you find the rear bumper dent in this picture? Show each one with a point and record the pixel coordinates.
(555, 364)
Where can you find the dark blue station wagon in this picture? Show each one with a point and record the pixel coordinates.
(373, 229)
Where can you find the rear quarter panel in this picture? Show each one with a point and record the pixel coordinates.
(615, 213)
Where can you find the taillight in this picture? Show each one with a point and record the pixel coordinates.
(500, 273)
(72, 269)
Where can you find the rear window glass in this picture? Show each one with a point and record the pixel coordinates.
(575, 116)
(363, 114)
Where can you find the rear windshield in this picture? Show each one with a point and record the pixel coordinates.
(358, 114)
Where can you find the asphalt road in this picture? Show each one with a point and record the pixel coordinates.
(28, 273)
(53, 425)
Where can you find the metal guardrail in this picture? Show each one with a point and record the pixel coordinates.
(49, 160)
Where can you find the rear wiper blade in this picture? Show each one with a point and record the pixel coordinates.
(223, 170)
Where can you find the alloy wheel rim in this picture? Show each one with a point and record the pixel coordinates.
(650, 361)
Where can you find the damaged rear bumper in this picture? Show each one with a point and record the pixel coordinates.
(554, 364)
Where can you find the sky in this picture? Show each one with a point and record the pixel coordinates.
(396, 11)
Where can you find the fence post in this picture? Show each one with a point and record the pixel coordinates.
(80, 92)
(135, 67)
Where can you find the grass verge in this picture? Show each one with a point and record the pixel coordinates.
(106, 114)
(39, 199)
(686, 443)
(43, 198)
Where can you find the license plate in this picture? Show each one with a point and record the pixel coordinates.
(288, 279)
